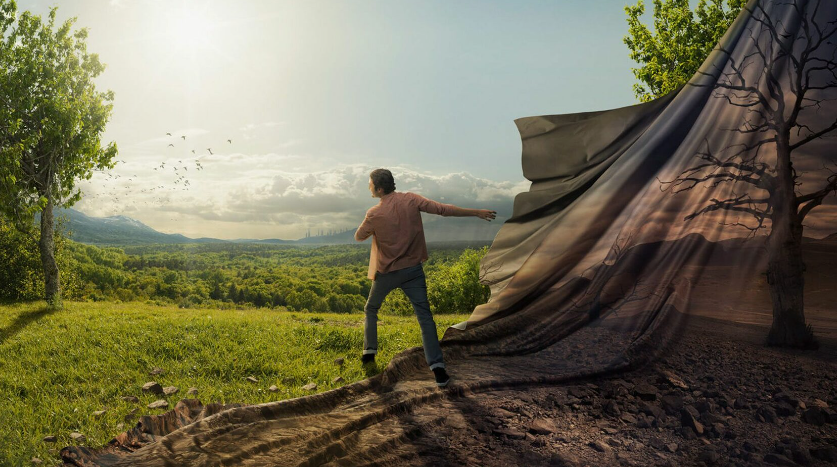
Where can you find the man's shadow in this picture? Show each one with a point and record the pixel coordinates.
(23, 320)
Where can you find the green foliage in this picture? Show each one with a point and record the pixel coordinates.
(228, 276)
(680, 42)
(22, 276)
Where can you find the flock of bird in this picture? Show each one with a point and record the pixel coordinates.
(176, 168)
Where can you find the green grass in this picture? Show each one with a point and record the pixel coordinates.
(58, 367)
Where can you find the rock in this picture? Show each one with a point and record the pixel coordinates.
(628, 418)
(599, 446)
(709, 456)
(310, 386)
(273, 388)
(153, 387)
(99, 413)
(651, 409)
(815, 416)
(133, 399)
(78, 437)
(252, 379)
(778, 459)
(169, 390)
(50, 439)
(819, 403)
(646, 392)
(708, 418)
(158, 404)
(192, 391)
(672, 447)
(766, 414)
(120, 426)
(785, 409)
(671, 403)
(739, 403)
(688, 420)
(612, 408)
(339, 361)
(673, 379)
(336, 380)
(36, 461)
(825, 453)
(542, 426)
(510, 432)
(156, 371)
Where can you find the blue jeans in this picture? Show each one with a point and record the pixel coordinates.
(412, 281)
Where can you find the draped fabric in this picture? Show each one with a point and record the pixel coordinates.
(637, 219)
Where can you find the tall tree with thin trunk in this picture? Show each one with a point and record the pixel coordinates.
(51, 122)
(787, 85)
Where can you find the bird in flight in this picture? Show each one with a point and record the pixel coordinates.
(193, 151)
(229, 141)
(183, 137)
(171, 145)
(168, 133)
(209, 149)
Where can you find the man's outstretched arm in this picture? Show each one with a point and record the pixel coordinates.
(435, 207)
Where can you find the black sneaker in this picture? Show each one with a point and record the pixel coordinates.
(442, 378)
(367, 358)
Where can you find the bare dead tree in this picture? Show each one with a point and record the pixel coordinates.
(782, 103)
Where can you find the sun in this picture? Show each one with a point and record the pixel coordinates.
(191, 28)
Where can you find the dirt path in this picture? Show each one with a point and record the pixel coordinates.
(717, 396)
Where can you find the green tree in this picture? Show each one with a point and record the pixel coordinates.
(51, 122)
(680, 42)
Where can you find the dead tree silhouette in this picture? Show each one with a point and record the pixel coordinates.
(783, 100)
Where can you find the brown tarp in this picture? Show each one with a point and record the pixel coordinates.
(597, 270)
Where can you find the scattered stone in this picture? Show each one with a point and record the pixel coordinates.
(542, 426)
(815, 416)
(120, 426)
(192, 391)
(688, 420)
(674, 380)
(310, 386)
(825, 453)
(778, 459)
(152, 387)
(672, 403)
(709, 456)
(50, 439)
(672, 447)
(133, 399)
(99, 413)
(158, 404)
(339, 361)
(646, 392)
(78, 437)
(273, 388)
(36, 461)
(156, 371)
(785, 409)
(600, 446)
(337, 379)
(252, 379)
(169, 390)
(766, 414)
(510, 432)
(819, 403)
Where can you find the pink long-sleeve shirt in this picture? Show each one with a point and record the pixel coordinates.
(397, 231)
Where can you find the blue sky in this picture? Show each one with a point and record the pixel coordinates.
(315, 94)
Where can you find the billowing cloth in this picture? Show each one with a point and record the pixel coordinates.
(637, 219)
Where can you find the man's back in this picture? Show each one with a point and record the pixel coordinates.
(395, 222)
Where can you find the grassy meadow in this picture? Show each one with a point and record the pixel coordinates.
(59, 367)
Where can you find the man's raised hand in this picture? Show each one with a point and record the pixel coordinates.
(486, 214)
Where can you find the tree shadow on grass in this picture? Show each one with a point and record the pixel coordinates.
(23, 320)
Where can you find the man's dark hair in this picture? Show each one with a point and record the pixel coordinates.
(382, 178)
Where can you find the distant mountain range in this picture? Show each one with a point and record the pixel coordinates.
(123, 230)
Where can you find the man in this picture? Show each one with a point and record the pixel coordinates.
(398, 249)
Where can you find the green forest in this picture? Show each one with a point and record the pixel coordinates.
(328, 278)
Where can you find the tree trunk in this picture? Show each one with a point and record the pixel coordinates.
(785, 267)
(52, 283)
